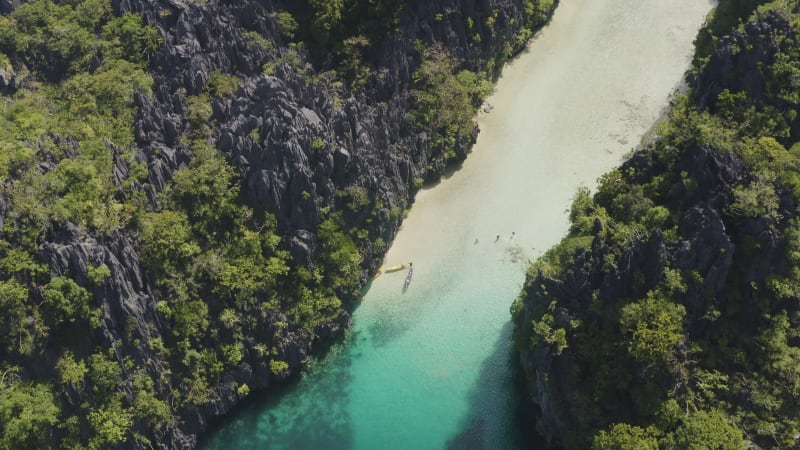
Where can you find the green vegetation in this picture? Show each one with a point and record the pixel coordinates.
(332, 22)
(653, 326)
(75, 113)
(447, 101)
(211, 257)
(695, 346)
(27, 413)
(727, 15)
(342, 36)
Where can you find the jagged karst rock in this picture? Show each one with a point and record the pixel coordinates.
(722, 255)
(706, 245)
(297, 139)
(738, 62)
(8, 80)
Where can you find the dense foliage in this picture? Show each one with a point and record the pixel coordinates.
(59, 137)
(215, 261)
(447, 100)
(343, 35)
(668, 316)
(333, 26)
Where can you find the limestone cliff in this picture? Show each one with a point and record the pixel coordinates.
(660, 319)
(305, 143)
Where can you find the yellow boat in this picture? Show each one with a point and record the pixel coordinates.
(395, 268)
(390, 269)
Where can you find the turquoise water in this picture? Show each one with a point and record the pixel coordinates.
(358, 396)
(431, 368)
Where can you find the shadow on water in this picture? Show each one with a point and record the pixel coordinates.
(498, 417)
(392, 313)
(307, 412)
(383, 331)
(393, 319)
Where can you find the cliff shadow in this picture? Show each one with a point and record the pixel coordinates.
(308, 411)
(499, 416)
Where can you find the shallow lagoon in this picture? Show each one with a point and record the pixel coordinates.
(431, 368)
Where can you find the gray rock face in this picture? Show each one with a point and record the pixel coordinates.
(551, 374)
(6, 6)
(7, 79)
(292, 144)
(739, 61)
(712, 242)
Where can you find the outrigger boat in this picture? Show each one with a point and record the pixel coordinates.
(408, 278)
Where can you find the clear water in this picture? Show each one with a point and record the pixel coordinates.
(431, 368)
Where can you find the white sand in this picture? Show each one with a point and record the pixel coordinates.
(565, 112)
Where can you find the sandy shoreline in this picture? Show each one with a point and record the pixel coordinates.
(424, 367)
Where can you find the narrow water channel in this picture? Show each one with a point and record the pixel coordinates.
(431, 368)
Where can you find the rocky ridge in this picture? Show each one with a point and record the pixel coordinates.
(270, 129)
(712, 267)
